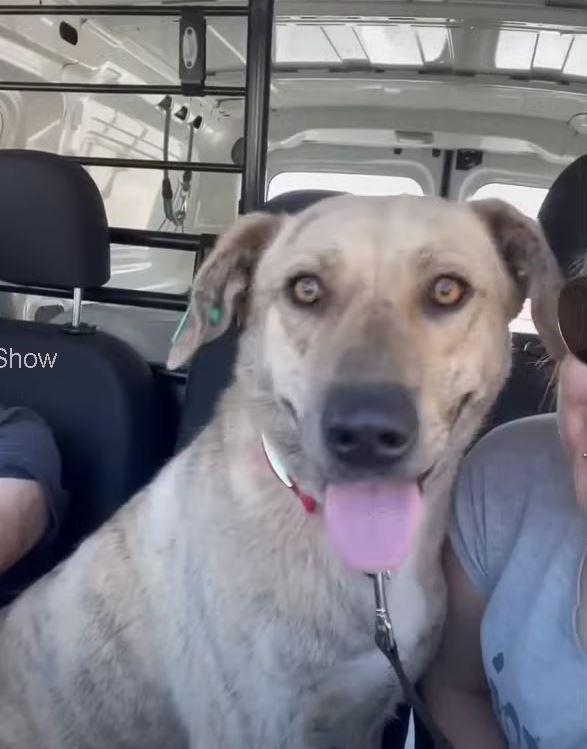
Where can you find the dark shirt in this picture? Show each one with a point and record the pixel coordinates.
(28, 451)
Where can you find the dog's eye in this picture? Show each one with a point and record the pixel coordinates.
(306, 290)
(447, 291)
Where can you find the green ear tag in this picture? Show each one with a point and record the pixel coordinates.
(180, 327)
(215, 315)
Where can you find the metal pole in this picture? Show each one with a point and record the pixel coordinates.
(77, 307)
(111, 88)
(191, 166)
(446, 174)
(212, 11)
(162, 239)
(259, 48)
(132, 298)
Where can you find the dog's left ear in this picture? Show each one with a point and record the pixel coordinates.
(221, 284)
(531, 263)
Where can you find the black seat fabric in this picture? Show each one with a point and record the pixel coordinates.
(210, 371)
(529, 387)
(209, 375)
(99, 396)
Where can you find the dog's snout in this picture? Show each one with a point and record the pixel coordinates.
(369, 427)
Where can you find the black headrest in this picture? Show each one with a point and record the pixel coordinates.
(563, 215)
(297, 200)
(53, 227)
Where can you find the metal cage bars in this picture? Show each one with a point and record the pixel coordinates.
(259, 14)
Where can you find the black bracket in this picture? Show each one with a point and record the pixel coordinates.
(192, 51)
(468, 159)
(81, 329)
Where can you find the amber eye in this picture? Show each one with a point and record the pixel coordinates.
(306, 290)
(447, 291)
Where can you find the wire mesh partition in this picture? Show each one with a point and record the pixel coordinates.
(259, 15)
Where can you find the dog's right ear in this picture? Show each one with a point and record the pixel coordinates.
(221, 284)
(528, 258)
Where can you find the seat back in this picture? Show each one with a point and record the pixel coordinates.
(95, 392)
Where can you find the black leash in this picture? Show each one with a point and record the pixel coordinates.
(385, 641)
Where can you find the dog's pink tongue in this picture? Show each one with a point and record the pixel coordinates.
(371, 525)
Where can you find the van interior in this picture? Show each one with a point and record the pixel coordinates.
(132, 134)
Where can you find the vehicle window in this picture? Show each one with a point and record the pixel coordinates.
(357, 184)
(337, 44)
(523, 323)
(531, 51)
(527, 199)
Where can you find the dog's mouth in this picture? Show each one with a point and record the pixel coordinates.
(371, 525)
(370, 521)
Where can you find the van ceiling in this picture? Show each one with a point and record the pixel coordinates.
(531, 39)
(517, 69)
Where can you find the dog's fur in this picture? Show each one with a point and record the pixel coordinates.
(210, 611)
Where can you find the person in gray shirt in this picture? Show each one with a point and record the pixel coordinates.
(511, 670)
(31, 498)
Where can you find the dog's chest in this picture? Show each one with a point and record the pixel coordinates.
(292, 654)
(417, 614)
(347, 701)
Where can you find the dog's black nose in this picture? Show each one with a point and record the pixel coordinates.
(367, 427)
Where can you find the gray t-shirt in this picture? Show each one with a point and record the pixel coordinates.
(522, 539)
(28, 451)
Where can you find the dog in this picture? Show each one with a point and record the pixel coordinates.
(225, 606)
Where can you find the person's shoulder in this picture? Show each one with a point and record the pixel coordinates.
(514, 454)
(510, 472)
(27, 446)
(18, 415)
(523, 437)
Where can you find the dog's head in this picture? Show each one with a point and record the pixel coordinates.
(375, 329)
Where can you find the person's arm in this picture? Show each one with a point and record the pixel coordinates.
(455, 689)
(31, 498)
(23, 518)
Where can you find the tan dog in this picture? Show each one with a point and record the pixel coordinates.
(215, 610)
